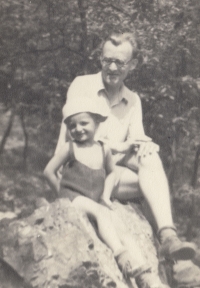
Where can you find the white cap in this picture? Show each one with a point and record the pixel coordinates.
(95, 105)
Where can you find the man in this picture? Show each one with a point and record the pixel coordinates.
(137, 162)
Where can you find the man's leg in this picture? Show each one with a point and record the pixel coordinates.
(127, 184)
(153, 183)
(154, 186)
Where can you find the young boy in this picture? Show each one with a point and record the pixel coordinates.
(88, 178)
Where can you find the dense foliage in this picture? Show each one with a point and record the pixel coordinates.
(45, 44)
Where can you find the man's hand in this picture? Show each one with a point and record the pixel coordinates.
(143, 148)
(146, 148)
(119, 147)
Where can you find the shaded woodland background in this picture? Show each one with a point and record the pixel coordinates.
(45, 44)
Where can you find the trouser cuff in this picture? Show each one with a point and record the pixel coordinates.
(164, 228)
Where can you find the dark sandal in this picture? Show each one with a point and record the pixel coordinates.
(124, 263)
(149, 279)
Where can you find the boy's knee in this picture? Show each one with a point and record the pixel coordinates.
(101, 211)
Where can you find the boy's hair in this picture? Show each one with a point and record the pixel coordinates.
(119, 38)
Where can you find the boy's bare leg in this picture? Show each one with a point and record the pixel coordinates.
(109, 232)
(103, 218)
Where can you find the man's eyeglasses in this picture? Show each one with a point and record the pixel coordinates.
(118, 63)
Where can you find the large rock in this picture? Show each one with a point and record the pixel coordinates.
(185, 275)
(57, 246)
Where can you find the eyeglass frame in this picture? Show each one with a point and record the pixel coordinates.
(122, 65)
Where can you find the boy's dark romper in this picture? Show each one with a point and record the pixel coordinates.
(80, 180)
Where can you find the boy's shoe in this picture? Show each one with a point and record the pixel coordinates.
(149, 280)
(173, 248)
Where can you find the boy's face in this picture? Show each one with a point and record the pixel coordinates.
(82, 127)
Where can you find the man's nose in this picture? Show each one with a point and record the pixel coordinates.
(113, 66)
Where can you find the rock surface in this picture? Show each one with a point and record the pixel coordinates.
(57, 246)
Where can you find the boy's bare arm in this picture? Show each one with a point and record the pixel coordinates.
(50, 172)
(62, 137)
(110, 178)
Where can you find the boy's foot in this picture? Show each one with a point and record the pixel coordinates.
(127, 267)
(173, 248)
(149, 280)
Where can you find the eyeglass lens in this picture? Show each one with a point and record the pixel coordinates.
(109, 61)
(118, 62)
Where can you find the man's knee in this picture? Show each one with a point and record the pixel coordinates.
(151, 161)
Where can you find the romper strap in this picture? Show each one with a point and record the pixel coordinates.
(103, 153)
(71, 151)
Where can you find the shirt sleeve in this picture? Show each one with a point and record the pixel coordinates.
(136, 128)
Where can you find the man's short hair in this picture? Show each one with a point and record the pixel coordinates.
(119, 38)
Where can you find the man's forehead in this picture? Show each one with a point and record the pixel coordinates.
(123, 48)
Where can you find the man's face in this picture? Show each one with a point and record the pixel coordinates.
(113, 73)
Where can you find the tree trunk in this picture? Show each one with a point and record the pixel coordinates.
(189, 233)
(25, 151)
(7, 131)
(82, 5)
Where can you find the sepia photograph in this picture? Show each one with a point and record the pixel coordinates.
(100, 144)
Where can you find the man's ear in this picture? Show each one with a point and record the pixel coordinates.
(134, 63)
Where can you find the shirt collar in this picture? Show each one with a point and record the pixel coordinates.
(100, 86)
(99, 82)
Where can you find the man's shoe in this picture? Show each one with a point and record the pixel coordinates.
(149, 280)
(173, 248)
